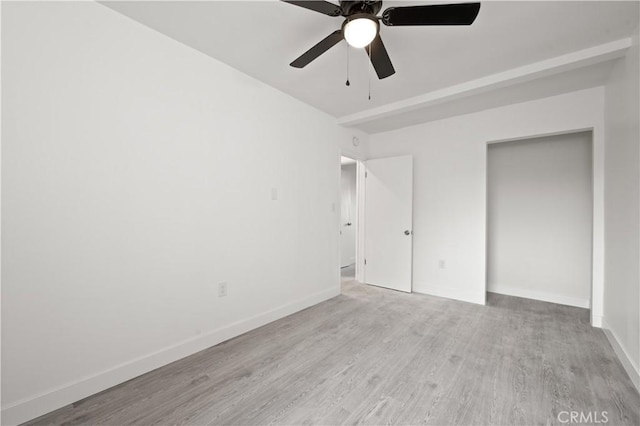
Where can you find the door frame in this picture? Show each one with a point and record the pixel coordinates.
(360, 170)
(597, 244)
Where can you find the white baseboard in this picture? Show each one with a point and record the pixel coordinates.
(352, 261)
(631, 369)
(37, 405)
(449, 293)
(540, 295)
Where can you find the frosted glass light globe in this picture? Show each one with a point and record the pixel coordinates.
(360, 32)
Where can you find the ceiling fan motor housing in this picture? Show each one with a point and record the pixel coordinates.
(350, 8)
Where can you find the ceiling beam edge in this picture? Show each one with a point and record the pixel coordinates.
(574, 60)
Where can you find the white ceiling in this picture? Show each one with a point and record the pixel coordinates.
(260, 38)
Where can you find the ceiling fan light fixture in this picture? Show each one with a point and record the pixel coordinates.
(361, 28)
(360, 31)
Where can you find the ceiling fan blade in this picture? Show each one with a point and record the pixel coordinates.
(325, 44)
(318, 6)
(380, 58)
(437, 14)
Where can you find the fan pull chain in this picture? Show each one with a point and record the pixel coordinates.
(348, 83)
(369, 74)
(369, 70)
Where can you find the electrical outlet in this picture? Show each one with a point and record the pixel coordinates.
(222, 289)
(442, 264)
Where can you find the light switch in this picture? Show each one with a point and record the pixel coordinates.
(274, 194)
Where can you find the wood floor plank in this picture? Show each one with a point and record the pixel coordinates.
(376, 356)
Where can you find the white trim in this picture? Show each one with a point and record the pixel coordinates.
(353, 154)
(542, 135)
(632, 370)
(540, 295)
(598, 219)
(37, 405)
(360, 171)
(0, 207)
(360, 194)
(449, 293)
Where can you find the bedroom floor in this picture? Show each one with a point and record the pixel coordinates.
(376, 356)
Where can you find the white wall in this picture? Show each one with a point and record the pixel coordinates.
(348, 214)
(137, 174)
(540, 218)
(0, 213)
(449, 209)
(622, 292)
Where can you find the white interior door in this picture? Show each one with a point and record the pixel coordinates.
(388, 222)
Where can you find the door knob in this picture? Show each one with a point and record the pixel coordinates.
(407, 232)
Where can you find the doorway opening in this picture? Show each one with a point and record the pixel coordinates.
(540, 223)
(348, 218)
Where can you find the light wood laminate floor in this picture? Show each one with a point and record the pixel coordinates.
(376, 356)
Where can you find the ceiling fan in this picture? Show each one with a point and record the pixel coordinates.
(361, 27)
